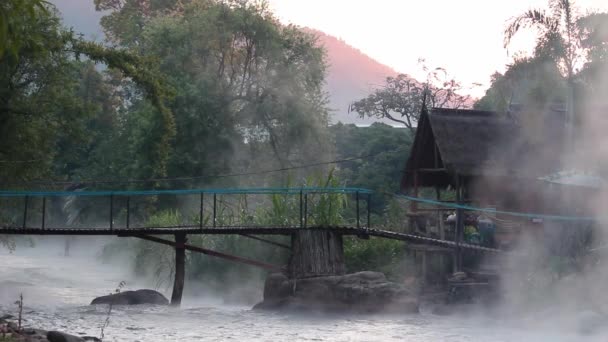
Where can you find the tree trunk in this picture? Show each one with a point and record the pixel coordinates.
(316, 253)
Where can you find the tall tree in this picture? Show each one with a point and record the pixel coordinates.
(558, 38)
(530, 82)
(15, 31)
(42, 110)
(401, 98)
(573, 42)
(382, 173)
(242, 80)
(558, 33)
(594, 39)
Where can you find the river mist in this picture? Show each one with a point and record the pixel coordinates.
(57, 291)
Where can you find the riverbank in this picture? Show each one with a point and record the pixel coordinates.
(57, 292)
(11, 331)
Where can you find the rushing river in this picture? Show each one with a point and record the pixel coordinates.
(58, 289)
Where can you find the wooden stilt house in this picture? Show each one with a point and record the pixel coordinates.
(485, 159)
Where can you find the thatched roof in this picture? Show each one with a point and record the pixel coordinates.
(474, 143)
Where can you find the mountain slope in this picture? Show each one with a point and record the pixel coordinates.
(352, 75)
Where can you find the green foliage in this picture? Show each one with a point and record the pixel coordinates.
(49, 99)
(35, 101)
(383, 255)
(559, 35)
(139, 71)
(193, 88)
(8, 339)
(325, 209)
(594, 30)
(17, 17)
(243, 83)
(566, 41)
(382, 173)
(531, 82)
(153, 259)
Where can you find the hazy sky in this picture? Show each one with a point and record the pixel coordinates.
(465, 37)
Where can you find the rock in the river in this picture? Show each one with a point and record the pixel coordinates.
(362, 292)
(132, 298)
(57, 336)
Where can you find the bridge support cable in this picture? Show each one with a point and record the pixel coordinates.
(431, 241)
(274, 243)
(270, 267)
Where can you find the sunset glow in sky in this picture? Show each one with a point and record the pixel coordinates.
(465, 37)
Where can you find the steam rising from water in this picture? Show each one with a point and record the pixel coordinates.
(63, 287)
(557, 274)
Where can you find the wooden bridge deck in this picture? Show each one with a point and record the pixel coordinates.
(242, 230)
(310, 207)
(300, 197)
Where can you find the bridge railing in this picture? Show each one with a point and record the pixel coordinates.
(204, 208)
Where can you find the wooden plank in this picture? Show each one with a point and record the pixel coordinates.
(429, 248)
(274, 243)
(441, 169)
(215, 254)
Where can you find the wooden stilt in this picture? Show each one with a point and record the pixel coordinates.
(441, 227)
(270, 267)
(180, 269)
(424, 268)
(459, 223)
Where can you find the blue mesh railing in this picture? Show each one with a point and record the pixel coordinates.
(221, 207)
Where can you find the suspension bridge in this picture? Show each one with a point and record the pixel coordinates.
(29, 211)
(316, 219)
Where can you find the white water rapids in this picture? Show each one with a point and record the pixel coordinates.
(58, 289)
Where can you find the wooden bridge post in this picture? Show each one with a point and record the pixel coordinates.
(180, 269)
(441, 228)
(27, 199)
(459, 231)
(43, 212)
(316, 253)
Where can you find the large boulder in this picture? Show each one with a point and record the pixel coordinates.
(362, 292)
(132, 298)
(57, 336)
